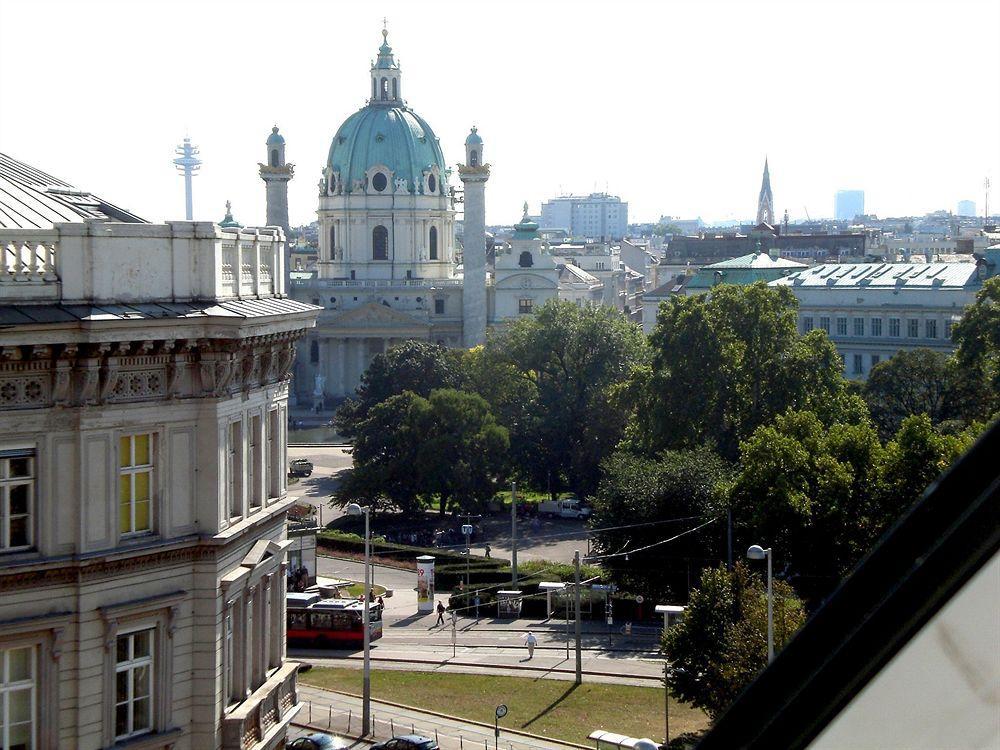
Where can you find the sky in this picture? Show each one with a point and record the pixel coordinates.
(671, 105)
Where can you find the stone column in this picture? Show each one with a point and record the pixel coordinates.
(474, 256)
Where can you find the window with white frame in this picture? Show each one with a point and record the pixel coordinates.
(18, 698)
(134, 684)
(824, 323)
(229, 656)
(255, 464)
(235, 469)
(273, 455)
(876, 326)
(807, 323)
(841, 326)
(17, 499)
(135, 484)
(525, 306)
(894, 327)
(859, 326)
(912, 328)
(930, 329)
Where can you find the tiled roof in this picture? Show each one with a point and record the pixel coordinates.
(884, 275)
(31, 199)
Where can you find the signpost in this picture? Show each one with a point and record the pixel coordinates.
(501, 712)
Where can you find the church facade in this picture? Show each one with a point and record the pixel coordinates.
(388, 268)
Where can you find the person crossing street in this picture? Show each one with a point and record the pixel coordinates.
(530, 641)
(440, 611)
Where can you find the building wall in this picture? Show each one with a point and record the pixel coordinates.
(597, 215)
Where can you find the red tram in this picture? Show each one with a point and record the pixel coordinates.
(329, 623)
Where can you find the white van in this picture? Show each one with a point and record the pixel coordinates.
(563, 509)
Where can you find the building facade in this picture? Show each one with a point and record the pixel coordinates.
(872, 310)
(848, 204)
(598, 216)
(143, 395)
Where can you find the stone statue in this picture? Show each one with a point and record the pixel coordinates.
(322, 186)
(318, 382)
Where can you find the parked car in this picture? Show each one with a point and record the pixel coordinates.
(300, 467)
(406, 742)
(563, 509)
(315, 741)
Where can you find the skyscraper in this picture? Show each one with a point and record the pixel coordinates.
(848, 204)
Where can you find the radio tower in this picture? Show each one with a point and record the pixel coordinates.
(188, 164)
(986, 213)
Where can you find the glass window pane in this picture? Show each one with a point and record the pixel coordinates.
(121, 720)
(142, 485)
(20, 736)
(19, 532)
(141, 449)
(125, 451)
(140, 678)
(125, 518)
(19, 705)
(125, 488)
(19, 663)
(140, 715)
(141, 644)
(142, 515)
(122, 649)
(20, 467)
(19, 495)
(121, 686)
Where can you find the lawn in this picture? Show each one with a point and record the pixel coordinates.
(552, 708)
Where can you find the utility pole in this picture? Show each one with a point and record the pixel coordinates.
(513, 535)
(666, 703)
(576, 596)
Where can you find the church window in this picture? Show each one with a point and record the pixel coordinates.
(473, 158)
(434, 243)
(314, 352)
(395, 89)
(274, 157)
(432, 184)
(525, 306)
(385, 89)
(333, 242)
(379, 182)
(439, 307)
(526, 261)
(374, 88)
(380, 243)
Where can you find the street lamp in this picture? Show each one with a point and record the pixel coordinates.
(756, 552)
(353, 509)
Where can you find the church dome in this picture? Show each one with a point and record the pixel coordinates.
(393, 136)
(275, 139)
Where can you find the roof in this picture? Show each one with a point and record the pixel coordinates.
(32, 199)
(757, 260)
(915, 569)
(275, 139)
(245, 308)
(578, 273)
(473, 139)
(884, 275)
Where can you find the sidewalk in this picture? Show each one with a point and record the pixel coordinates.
(325, 711)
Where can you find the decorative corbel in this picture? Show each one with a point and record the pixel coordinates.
(57, 643)
(110, 378)
(110, 634)
(172, 613)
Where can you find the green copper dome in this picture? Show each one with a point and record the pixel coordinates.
(275, 138)
(394, 136)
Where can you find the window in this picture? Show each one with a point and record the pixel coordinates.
(525, 260)
(385, 88)
(273, 455)
(894, 327)
(395, 88)
(824, 323)
(333, 242)
(314, 352)
(841, 326)
(235, 469)
(876, 326)
(17, 698)
(859, 326)
(229, 656)
(473, 158)
(380, 243)
(434, 243)
(432, 183)
(807, 324)
(858, 367)
(134, 684)
(379, 182)
(930, 329)
(876, 358)
(274, 157)
(912, 328)
(525, 306)
(439, 307)
(17, 491)
(255, 466)
(135, 483)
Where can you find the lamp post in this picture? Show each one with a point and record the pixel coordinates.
(353, 509)
(756, 552)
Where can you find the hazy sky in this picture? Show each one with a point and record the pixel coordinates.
(671, 105)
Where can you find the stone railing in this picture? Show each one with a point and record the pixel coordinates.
(247, 726)
(28, 264)
(374, 283)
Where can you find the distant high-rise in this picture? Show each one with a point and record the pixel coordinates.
(848, 204)
(188, 164)
(765, 201)
(598, 215)
(966, 208)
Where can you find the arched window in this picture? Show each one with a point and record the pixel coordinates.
(385, 89)
(395, 88)
(274, 157)
(525, 261)
(374, 88)
(473, 158)
(333, 242)
(379, 182)
(434, 243)
(380, 243)
(314, 352)
(432, 183)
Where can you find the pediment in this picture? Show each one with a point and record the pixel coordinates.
(375, 315)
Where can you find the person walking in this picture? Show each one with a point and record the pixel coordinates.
(440, 611)
(530, 641)
(488, 550)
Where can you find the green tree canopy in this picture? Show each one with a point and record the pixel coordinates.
(977, 336)
(721, 644)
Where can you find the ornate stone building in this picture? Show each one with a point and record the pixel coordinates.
(143, 394)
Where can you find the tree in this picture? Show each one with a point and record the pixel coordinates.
(571, 357)
(977, 336)
(726, 363)
(416, 366)
(673, 492)
(721, 644)
(920, 381)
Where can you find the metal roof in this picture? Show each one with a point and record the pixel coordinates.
(757, 260)
(32, 199)
(245, 308)
(884, 275)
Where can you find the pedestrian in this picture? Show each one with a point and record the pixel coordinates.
(440, 611)
(530, 641)
(488, 549)
(381, 604)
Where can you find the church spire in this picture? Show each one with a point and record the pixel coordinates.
(386, 83)
(765, 202)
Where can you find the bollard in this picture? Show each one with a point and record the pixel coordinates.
(349, 712)
(310, 712)
(413, 729)
(436, 740)
(461, 743)
(329, 721)
(392, 726)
